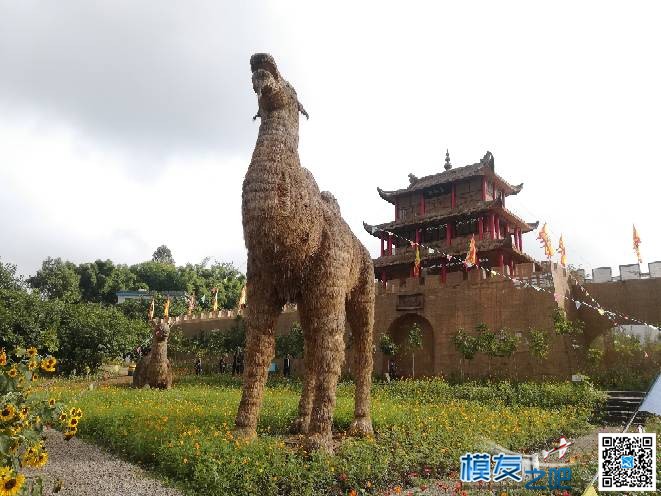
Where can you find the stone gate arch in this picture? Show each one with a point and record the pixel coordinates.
(424, 358)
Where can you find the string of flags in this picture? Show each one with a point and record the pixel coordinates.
(471, 260)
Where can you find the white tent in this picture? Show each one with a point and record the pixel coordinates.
(652, 402)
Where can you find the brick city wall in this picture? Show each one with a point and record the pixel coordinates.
(466, 300)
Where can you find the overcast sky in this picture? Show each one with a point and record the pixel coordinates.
(125, 125)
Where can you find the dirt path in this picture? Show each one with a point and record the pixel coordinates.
(86, 470)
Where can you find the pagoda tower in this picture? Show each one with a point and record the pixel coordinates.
(443, 212)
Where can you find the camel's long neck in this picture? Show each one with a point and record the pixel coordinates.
(277, 142)
(159, 349)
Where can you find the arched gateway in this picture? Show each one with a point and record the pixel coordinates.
(424, 357)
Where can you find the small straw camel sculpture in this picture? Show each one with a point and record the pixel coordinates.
(300, 250)
(154, 369)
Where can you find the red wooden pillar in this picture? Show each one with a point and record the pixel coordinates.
(520, 240)
(492, 225)
(444, 271)
(501, 261)
(480, 227)
(497, 221)
(517, 236)
(484, 188)
(448, 233)
(384, 277)
(383, 249)
(511, 266)
(389, 244)
(453, 196)
(421, 206)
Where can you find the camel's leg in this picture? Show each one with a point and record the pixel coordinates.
(326, 312)
(302, 422)
(262, 313)
(360, 315)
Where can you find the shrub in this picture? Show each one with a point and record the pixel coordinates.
(90, 333)
(538, 343)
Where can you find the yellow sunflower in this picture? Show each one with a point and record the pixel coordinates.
(31, 351)
(48, 364)
(70, 432)
(7, 413)
(73, 422)
(62, 417)
(35, 456)
(3, 357)
(33, 364)
(11, 484)
(51, 402)
(76, 412)
(12, 372)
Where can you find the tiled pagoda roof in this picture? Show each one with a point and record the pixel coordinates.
(484, 166)
(441, 250)
(450, 214)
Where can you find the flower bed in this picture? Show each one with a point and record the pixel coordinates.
(185, 434)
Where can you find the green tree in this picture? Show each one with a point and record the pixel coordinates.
(120, 279)
(90, 334)
(387, 345)
(8, 277)
(467, 345)
(163, 255)
(291, 343)
(27, 320)
(158, 276)
(414, 343)
(538, 343)
(57, 279)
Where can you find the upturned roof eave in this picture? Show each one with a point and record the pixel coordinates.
(481, 168)
(450, 215)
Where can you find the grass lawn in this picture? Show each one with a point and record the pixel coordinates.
(422, 428)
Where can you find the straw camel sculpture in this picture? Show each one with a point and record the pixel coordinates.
(300, 250)
(154, 368)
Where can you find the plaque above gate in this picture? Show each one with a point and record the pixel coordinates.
(410, 301)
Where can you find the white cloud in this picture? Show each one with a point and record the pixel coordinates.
(566, 97)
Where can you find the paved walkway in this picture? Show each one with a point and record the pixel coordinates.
(86, 470)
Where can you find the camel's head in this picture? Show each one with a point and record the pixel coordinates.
(273, 92)
(162, 331)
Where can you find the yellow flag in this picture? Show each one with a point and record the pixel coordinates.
(152, 309)
(166, 309)
(471, 256)
(636, 244)
(562, 251)
(215, 299)
(545, 240)
(590, 491)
